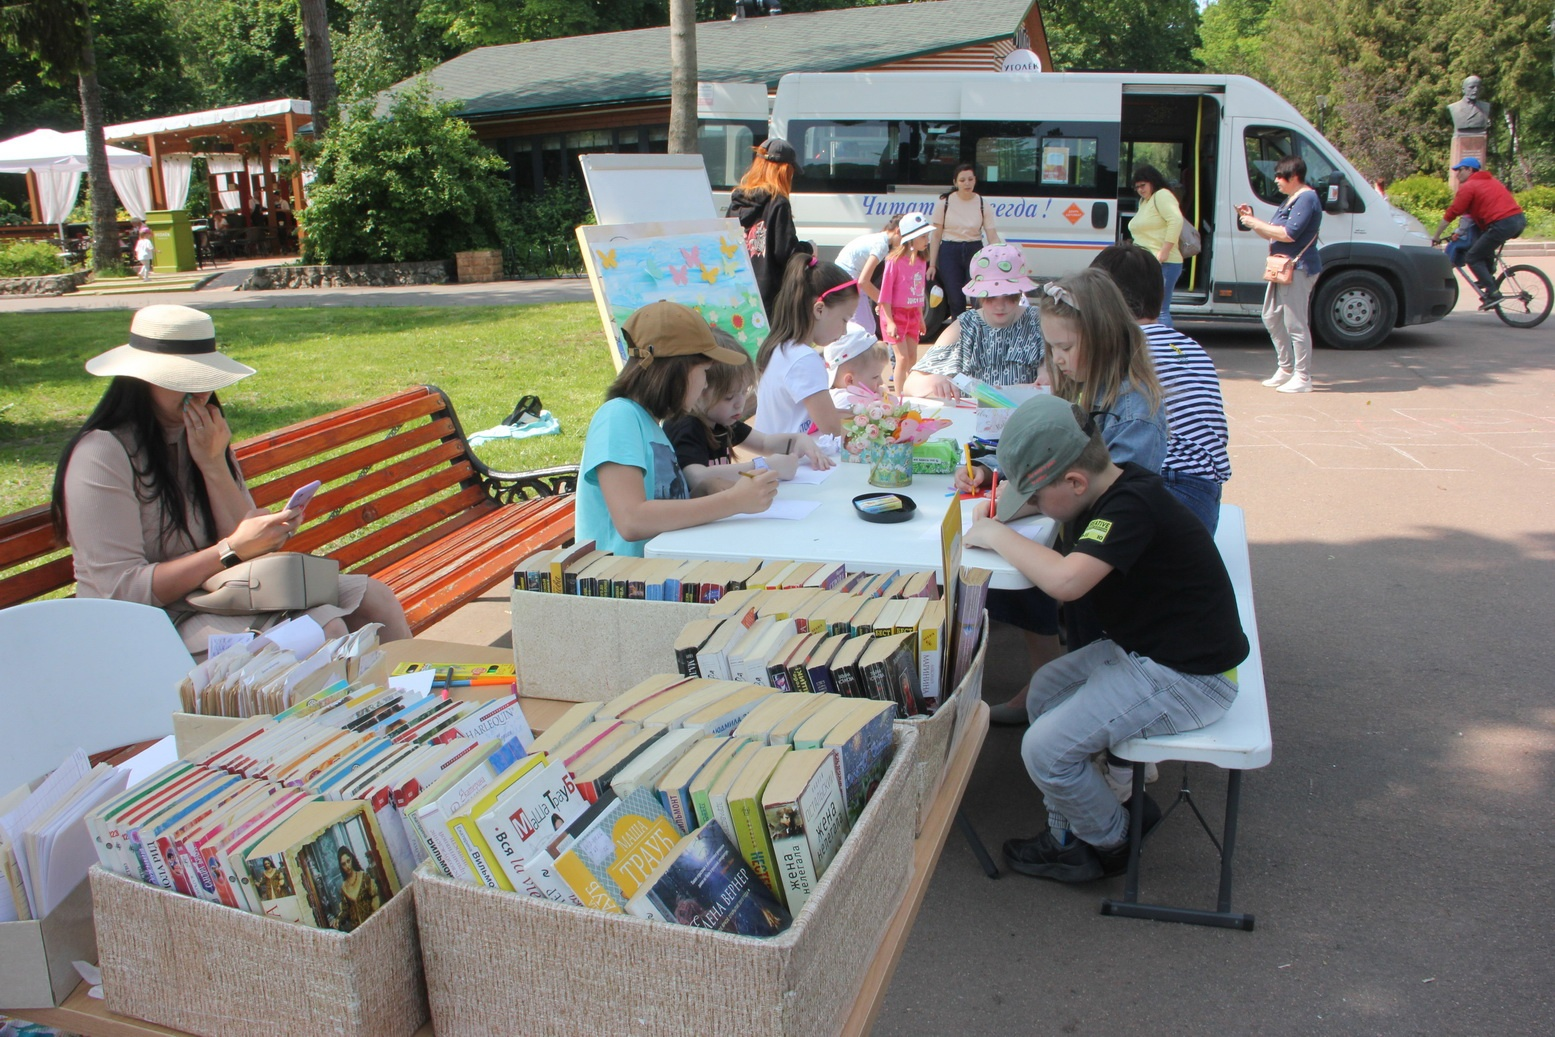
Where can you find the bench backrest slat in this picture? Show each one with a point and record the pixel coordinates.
(310, 538)
(277, 490)
(267, 453)
(404, 531)
(366, 495)
(37, 581)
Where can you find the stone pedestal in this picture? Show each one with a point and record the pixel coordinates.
(1467, 146)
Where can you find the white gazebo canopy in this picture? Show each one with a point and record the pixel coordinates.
(57, 161)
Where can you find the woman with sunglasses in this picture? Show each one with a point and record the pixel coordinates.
(1291, 233)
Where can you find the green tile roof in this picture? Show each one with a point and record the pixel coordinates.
(620, 67)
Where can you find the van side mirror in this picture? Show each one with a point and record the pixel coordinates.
(1340, 197)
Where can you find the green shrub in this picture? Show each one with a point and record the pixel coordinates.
(1537, 198)
(413, 185)
(1423, 197)
(29, 259)
(1541, 225)
(8, 214)
(543, 239)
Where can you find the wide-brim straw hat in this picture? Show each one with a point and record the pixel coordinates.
(998, 270)
(173, 347)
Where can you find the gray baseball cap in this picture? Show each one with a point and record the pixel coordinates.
(776, 149)
(1044, 436)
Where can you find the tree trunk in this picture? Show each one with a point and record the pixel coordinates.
(683, 77)
(105, 228)
(320, 61)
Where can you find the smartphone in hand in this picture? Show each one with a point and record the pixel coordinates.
(302, 495)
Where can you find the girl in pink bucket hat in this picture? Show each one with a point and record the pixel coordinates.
(1000, 342)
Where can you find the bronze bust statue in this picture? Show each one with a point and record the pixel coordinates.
(1470, 116)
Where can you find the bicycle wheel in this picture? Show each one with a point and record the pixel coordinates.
(1528, 296)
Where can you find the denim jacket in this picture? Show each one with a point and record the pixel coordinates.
(1132, 430)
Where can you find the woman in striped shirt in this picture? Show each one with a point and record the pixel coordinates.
(1000, 342)
(1197, 463)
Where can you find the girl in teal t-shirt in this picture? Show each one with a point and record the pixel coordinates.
(630, 488)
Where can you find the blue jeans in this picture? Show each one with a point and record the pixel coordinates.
(1170, 272)
(1201, 495)
(1093, 699)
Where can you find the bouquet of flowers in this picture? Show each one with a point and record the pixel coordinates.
(880, 420)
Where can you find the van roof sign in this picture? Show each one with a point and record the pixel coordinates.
(1021, 61)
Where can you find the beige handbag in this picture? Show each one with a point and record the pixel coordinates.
(279, 582)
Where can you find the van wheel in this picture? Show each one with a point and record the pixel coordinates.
(1354, 309)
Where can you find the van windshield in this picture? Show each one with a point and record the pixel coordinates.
(1010, 158)
(1266, 145)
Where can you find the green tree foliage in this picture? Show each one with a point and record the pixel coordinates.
(1232, 35)
(1389, 71)
(413, 185)
(1122, 34)
(238, 51)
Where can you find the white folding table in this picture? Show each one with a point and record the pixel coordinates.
(834, 532)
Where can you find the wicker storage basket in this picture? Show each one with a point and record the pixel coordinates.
(501, 963)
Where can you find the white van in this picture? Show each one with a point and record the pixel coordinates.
(1054, 153)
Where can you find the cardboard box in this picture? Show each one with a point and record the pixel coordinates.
(36, 957)
(213, 970)
(588, 649)
(501, 963)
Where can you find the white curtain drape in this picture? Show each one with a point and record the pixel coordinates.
(176, 170)
(226, 164)
(133, 186)
(57, 192)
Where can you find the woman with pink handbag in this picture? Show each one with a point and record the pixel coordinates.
(1291, 271)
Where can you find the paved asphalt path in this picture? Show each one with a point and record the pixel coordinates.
(1397, 852)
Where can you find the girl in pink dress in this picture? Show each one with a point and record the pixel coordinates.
(903, 289)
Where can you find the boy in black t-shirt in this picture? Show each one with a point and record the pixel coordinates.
(1156, 581)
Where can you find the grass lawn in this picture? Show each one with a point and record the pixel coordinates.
(311, 361)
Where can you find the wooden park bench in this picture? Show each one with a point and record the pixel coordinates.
(404, 499)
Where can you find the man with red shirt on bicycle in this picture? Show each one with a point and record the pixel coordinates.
(1497, 218)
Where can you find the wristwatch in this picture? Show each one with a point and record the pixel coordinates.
(229, 557)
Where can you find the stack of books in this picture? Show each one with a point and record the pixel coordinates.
(689, 800)
(318, 814)
(586, 572)
(266, 674)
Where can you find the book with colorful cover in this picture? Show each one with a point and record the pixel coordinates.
(890, 673)
(324, 867)
(863, 740)
(807, 819)
(973, 597)
(530, 812)
(704, 882)
(702, 784)
(931, 654)
(472, 843)
(615, 854)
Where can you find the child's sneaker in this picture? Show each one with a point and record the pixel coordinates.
(1041, 857)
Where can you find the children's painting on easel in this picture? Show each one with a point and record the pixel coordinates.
(699, 263)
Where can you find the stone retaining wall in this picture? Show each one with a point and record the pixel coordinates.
(53, 284)
(265, 278)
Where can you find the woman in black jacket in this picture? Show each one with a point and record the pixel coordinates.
(760, 203)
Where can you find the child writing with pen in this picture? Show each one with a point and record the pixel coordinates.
(1155, 580)
(704, 440)
(630, 488)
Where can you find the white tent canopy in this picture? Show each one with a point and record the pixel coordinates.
(58, 160)
(66, 152)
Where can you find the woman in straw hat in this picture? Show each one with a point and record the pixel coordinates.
(149, 495)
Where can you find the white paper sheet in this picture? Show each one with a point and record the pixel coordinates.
(301, 636)
(417, 685)
(781, 509)
(807, 476)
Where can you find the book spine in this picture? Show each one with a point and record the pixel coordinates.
(440, 843)
(569, 583)
(679, 807)
(750, 834)
(477, 853)
(799, 679)
(686, 662)
(242, 884)
(820, 680)
(584, 885)
(702, 804)
(794, 863)
(776, 676)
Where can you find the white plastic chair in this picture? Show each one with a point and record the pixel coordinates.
(84, 672)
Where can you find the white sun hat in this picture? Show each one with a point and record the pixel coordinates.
(173, 347)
